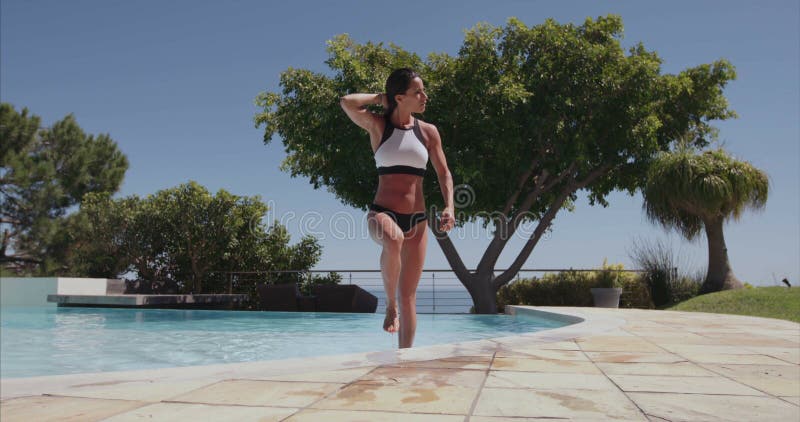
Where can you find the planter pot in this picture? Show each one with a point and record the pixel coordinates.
(606, 297)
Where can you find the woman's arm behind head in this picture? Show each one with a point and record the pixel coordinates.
(355, 105)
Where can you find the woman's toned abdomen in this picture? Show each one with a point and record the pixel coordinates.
(400, 192)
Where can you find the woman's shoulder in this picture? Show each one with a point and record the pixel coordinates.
(430, 132)
(427, 127)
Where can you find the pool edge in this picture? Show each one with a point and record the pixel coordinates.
(580, 324)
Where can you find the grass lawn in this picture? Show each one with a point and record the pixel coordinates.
(770, 302)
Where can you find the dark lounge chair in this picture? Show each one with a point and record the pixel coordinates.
(277, 297)
(344, 298)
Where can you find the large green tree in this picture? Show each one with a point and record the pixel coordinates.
(691, 192)
(44, 172)
(182, 234)
(529, 116)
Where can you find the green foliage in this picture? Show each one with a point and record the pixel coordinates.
(684, 189)
(684, 288)
(555, 99)
(98, 238)
(307, 287)
(43, 172)
(769, 302)
(528, 116)
(184, 235)
(664, 273)
(569, 288)
(573, 288)
(610, 276)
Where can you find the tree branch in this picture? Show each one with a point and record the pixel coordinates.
(560, 177)
(504, 230)
(544, 223)
(520, 184)
(449, 250)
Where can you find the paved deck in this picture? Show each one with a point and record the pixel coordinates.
(616, 364)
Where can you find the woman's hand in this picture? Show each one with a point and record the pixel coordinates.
(448, 219)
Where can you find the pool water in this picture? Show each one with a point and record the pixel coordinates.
(50, 340)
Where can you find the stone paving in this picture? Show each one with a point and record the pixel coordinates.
(652, 365)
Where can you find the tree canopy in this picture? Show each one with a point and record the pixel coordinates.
(529, 116)
(685, 188)
(182, 234)
(691, 192)
(43, 172)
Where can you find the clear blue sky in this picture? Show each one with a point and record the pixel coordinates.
(173, 83)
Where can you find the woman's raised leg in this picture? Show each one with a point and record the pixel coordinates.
(385, 232)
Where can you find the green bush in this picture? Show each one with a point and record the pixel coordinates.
(635, 293)
(568, 288)
(573, 288)
(608, 276)
(661, 267)
(307, 287)
(684, 288)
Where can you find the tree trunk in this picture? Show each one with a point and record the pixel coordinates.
(482, 284)
(484, 295)
(720, 276)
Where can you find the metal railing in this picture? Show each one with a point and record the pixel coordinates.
(439, 291)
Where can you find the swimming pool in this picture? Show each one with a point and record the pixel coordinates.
(50, 340)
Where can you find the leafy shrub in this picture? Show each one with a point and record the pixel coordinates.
(573, 288)
(308, 286)
(684, 288)
(635, 293)
(661, 266)
(567, 288)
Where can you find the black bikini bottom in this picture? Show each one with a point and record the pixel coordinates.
(405, 221)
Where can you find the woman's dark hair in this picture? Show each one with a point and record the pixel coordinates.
(397, 83)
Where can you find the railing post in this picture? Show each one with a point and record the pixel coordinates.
(350, 278)
(433, 276)
(230, 283)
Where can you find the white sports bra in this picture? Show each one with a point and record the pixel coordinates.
(401, 150)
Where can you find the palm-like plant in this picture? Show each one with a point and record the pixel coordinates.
(688, 192)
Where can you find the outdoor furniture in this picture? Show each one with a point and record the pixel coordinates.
(306, 303)
(277, 297)
(344, 298)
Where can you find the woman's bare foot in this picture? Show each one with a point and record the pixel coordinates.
(391, 323)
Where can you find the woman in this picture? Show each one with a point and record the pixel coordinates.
(397, 221)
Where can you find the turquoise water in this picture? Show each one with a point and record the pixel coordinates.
(50, 340)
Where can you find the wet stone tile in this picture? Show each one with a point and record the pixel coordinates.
(532, 353)
(617, 344)
(134, 390)
(478, 363)
(54, 408)
(623, 357)
(424, 377)
(572, 404)
(366, 395)
(202, 412)
(544, 381)
(340, 376)
(686, 369)
(778, 380)
(704, 407)
(260, 393)
(316, 415)
(696, 385)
